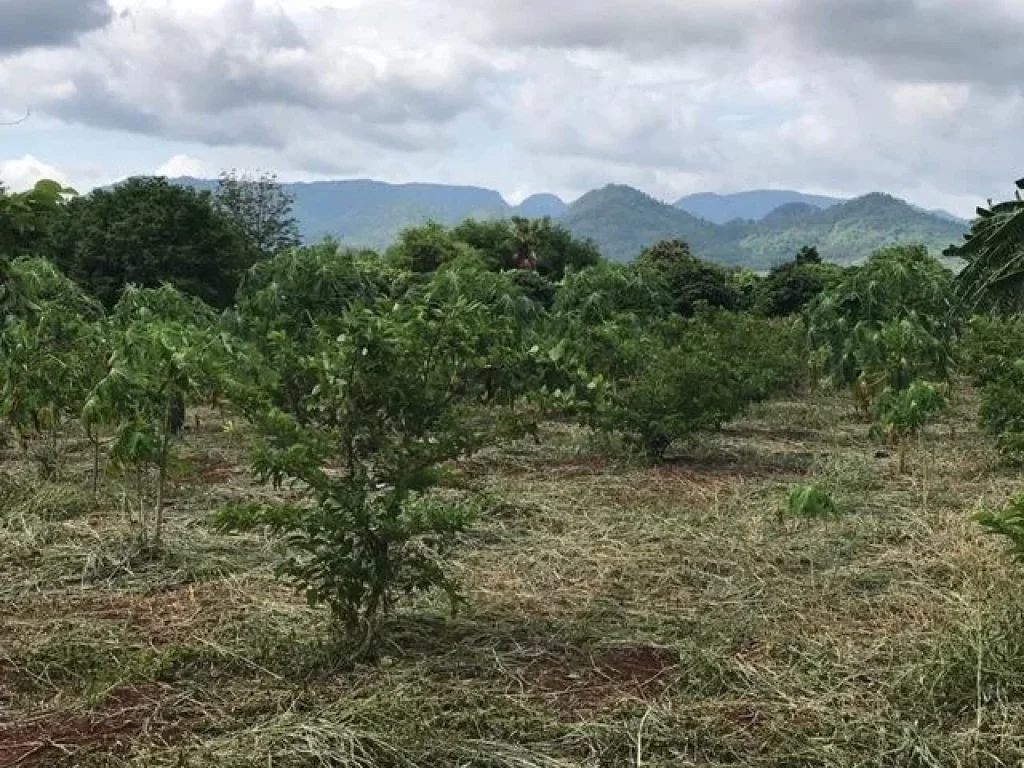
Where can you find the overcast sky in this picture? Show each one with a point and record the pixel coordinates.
(920, 98)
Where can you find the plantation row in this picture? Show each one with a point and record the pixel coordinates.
(362, 377)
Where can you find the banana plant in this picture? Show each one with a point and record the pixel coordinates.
(994, 252)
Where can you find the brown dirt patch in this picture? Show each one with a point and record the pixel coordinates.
(128, 713)
(606, 678)
(165, 616)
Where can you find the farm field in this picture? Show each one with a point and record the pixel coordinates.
(617, 614)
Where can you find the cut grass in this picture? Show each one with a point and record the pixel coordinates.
(618, 615)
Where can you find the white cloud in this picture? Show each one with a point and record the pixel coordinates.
(185, 165)
(20, 174)
(921, 97)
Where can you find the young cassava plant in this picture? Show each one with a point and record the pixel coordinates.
(165, 352)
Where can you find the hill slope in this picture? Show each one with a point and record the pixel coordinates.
(623, 221)
(753, 205)
(848, 232)
(371, 213)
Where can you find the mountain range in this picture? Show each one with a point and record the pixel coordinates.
(755, 229)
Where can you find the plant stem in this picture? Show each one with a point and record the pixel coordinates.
(165, 440)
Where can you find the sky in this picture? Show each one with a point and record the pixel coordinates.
(923, 99)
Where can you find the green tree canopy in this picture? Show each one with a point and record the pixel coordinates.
(689, 280)
(261, 211)
(146, 232)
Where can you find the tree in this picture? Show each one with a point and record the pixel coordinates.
(146, 232)
(425, 248)
(790, 287)
(659, 382)
(285, 303)
(261, 211)
(994, 252)
(600, 293)
(689, 280)
(808, 255)
(552, 249)
(903, 413)
(397, 389)
(27, 219)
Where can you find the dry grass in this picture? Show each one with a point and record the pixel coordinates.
(618, 615)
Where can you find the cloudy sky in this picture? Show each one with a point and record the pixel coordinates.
(920, 98)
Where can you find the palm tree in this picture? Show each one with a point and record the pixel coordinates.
(525, 231)
(994, 252)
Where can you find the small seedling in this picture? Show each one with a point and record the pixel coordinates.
(810, 502)
(1008, 522)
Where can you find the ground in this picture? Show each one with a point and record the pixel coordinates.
(617, 615)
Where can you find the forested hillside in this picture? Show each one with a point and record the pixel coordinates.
(623, 221)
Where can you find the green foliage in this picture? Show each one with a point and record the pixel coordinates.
(994, 252)
(993, 355)
(398, 387)
(27, 219)
(690, 282)
(164, 352)
(789, 288)
(659, 382)
(146, 232)
(260, 210)
(1008, 522)
(903, 413)
(285, 303)
(51, 352)
(810, 501)
(885, 324)
(425, 248)
(599, 293)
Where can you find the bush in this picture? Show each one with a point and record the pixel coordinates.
(661, 382)
(397, 389)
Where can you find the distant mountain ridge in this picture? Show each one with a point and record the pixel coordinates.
(623, 221)
(753, 205)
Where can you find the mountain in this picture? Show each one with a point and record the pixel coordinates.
(753, 205)
(623, 221)
(539, 206)
(370, 214)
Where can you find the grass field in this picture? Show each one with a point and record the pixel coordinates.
(618, 615)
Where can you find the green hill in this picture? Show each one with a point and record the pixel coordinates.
(623, 221)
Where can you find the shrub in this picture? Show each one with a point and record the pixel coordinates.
(397, 389)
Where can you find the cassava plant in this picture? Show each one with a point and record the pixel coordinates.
(902, 414)
(884, 324)
(165, 351)
(51, 354)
